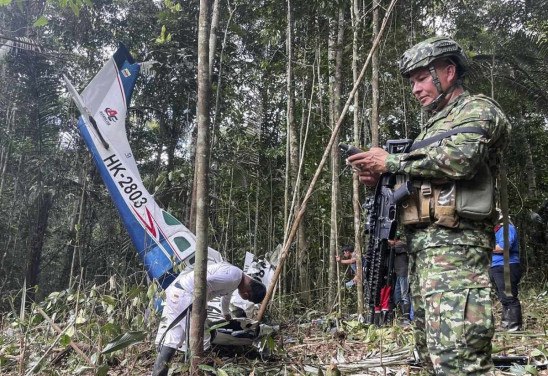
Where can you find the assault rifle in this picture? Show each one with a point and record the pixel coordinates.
(380, 225)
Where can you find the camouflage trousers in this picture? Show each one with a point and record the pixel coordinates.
(453, 312)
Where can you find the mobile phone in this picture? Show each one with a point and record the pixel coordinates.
(349, 150)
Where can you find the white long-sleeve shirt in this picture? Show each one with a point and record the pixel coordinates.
(222, 280)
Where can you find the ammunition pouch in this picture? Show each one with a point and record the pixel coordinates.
(446, 203)
(476, 197)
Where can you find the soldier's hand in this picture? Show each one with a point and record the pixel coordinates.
(373, 160)
(368, 178)
(369, 165)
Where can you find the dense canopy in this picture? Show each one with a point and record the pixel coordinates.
(269, 126)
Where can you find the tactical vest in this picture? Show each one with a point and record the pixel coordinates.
(445, 203)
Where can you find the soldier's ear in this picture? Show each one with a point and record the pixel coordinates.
(452, 73)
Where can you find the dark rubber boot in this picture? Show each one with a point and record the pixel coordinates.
(514, 318)
(161, 366)
(504, 318)
(406, 312)
(370, 318)
(386, 318)
(377, 319)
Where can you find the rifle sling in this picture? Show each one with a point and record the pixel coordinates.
(451, 132)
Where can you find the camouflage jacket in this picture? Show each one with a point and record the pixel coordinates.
(454, 158)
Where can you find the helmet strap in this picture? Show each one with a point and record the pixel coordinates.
(435, 78)
(435, 104)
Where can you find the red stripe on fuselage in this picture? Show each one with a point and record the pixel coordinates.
(149, 225)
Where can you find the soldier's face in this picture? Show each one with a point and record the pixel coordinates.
(422, 84)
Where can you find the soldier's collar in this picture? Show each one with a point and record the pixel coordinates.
(448, 107)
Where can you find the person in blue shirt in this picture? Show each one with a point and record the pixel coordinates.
(511, 307)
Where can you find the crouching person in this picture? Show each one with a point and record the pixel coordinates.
(222, 280)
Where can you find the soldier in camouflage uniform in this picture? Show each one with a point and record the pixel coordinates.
(449, 243)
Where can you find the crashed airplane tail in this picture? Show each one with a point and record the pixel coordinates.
(162, 242)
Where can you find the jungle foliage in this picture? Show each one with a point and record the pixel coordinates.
(60, 233)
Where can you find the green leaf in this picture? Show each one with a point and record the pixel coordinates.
(164, 36)
(75, 8)
(82, 370)
(3, 3)
(221, 372)
(110, 300)
(123, 341)
(110, 329)
(531, 369)
(65, 340)
(102, 370)
(134, 292)
(217, 326)
(41, 21)
(151, 290)
(205, 367)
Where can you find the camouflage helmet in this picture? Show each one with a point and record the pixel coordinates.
(424, 53)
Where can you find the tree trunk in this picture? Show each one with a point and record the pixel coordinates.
(257, 216)
(375, 79)
(228, 225)
(355, 11)
(214, 124)
(16, 209)
(293, 140)
(213, 37)
(38, 221)
(530, 168)
(4, 160)
(192, 210)
(291, 146)
(73, 254)
(335, 76)
(199, 310)
(6, 149)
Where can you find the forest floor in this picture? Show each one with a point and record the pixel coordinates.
(327, 346)
(307, 344)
